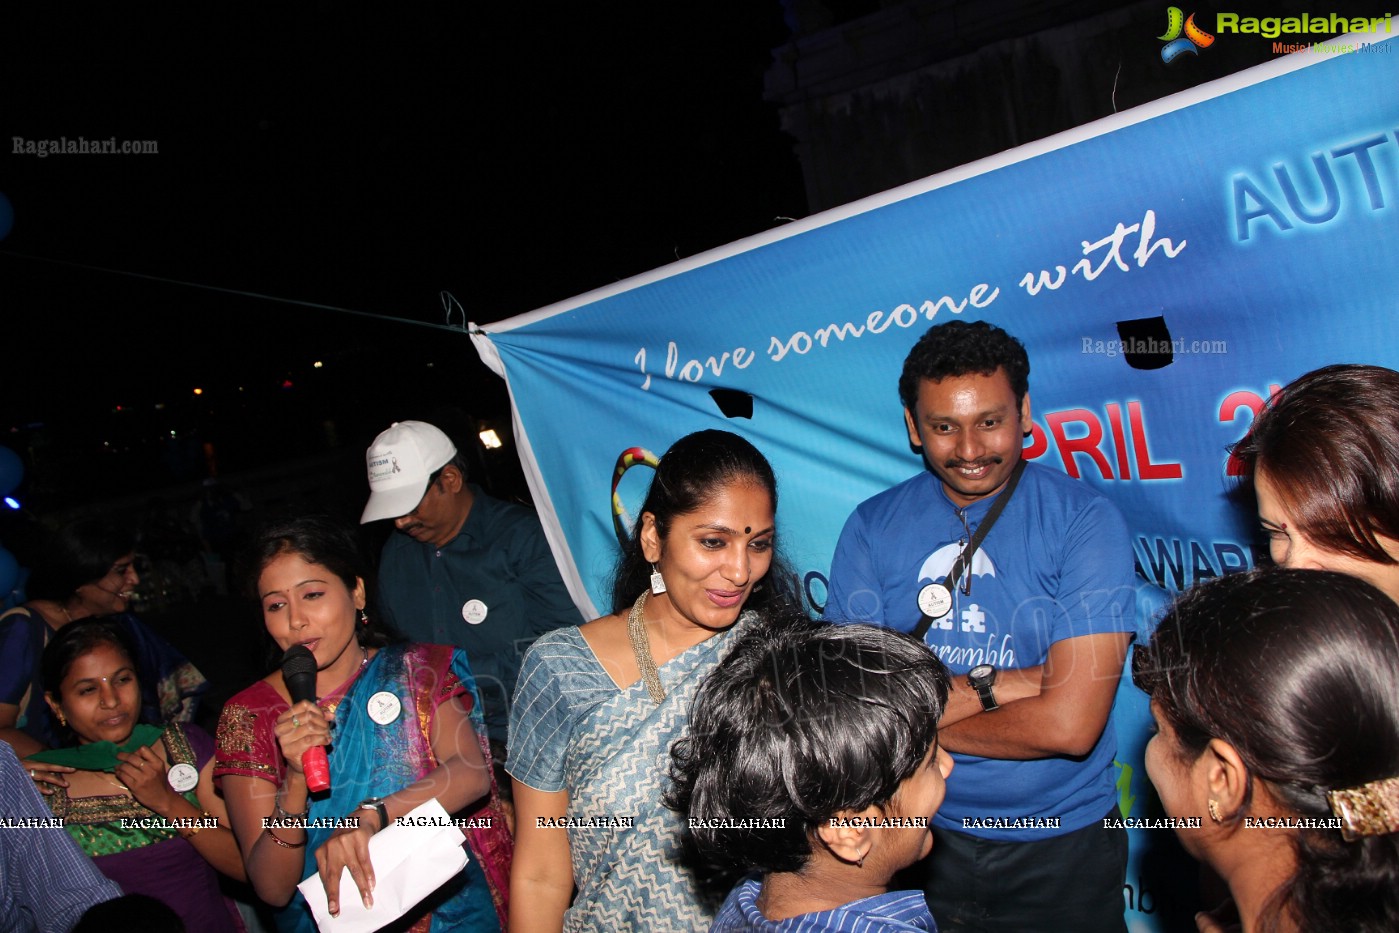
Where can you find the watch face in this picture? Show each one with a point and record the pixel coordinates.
(980, 672)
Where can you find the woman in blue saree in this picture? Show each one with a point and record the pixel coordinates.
(598, 706)
(405, 726)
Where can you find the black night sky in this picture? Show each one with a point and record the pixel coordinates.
(351, 156)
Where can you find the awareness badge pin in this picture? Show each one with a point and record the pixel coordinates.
(935, 600)
(473, 611)
(383, 707)
(182, 777)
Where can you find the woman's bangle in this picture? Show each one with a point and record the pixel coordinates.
(283, 843)
(277, 805)
(195, 829)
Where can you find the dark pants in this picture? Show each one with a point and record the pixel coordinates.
(1066, 884)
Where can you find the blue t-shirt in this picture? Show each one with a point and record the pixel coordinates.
(1057, 564)
(893, 912)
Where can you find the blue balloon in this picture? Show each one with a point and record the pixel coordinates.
(9, 573)
(7, 216)
(11, 470)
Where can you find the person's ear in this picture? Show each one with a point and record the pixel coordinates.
(1225, 777)
(944, 761)
(54, 706)
(912, 426)
(358, 593)
(650, 538)
(849, 843)
(451, 480)
(1025, 424)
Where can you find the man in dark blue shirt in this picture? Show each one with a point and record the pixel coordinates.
(465, 569)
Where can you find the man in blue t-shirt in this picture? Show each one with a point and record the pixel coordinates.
(1022, 580)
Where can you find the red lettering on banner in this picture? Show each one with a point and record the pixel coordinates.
(1091, 442)
(1145, 468)
(1119, 440)
(1088, 444)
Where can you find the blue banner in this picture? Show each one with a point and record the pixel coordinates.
(1166, 268)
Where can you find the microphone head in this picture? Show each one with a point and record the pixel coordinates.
(299, 673)
(298, 661)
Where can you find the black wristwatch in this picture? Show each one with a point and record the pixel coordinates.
(981, 679)
(377, 805)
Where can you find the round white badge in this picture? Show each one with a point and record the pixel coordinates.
(473, 611)
(183, 777)
(383, 707)
(935, 600)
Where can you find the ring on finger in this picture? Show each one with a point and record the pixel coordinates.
(296, 722)
(32, 775)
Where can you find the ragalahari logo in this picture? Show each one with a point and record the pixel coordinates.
(1182, 35)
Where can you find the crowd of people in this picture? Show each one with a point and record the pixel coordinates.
(707, 755)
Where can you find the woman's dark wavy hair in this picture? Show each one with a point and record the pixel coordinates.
(1329, 442)
(960, 348)
(692, 471)
(75, 640)
(78, 553)
(801, 721)
(317, 539)
(1299, 671)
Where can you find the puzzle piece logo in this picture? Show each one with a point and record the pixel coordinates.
(1182, 35)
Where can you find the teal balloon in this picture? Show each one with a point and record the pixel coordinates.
(11, 470)
(7, 216)
(9, 573)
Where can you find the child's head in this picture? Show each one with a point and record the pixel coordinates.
(810, 723)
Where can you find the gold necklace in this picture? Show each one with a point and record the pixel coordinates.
(641, 648)
(331, 701)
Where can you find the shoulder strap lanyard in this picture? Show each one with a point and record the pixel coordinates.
(963, 561)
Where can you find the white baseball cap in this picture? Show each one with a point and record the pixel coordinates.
(400, 462)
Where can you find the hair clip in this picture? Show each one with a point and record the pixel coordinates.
(1368, 810)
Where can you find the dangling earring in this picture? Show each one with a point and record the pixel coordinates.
(1214, 810)
(61, 720)
(364, 618)
(860, 862)
(657, 581)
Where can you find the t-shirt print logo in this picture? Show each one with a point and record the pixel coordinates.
(939, 564)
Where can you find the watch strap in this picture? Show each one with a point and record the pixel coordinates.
(987, 696)
(377, 805)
